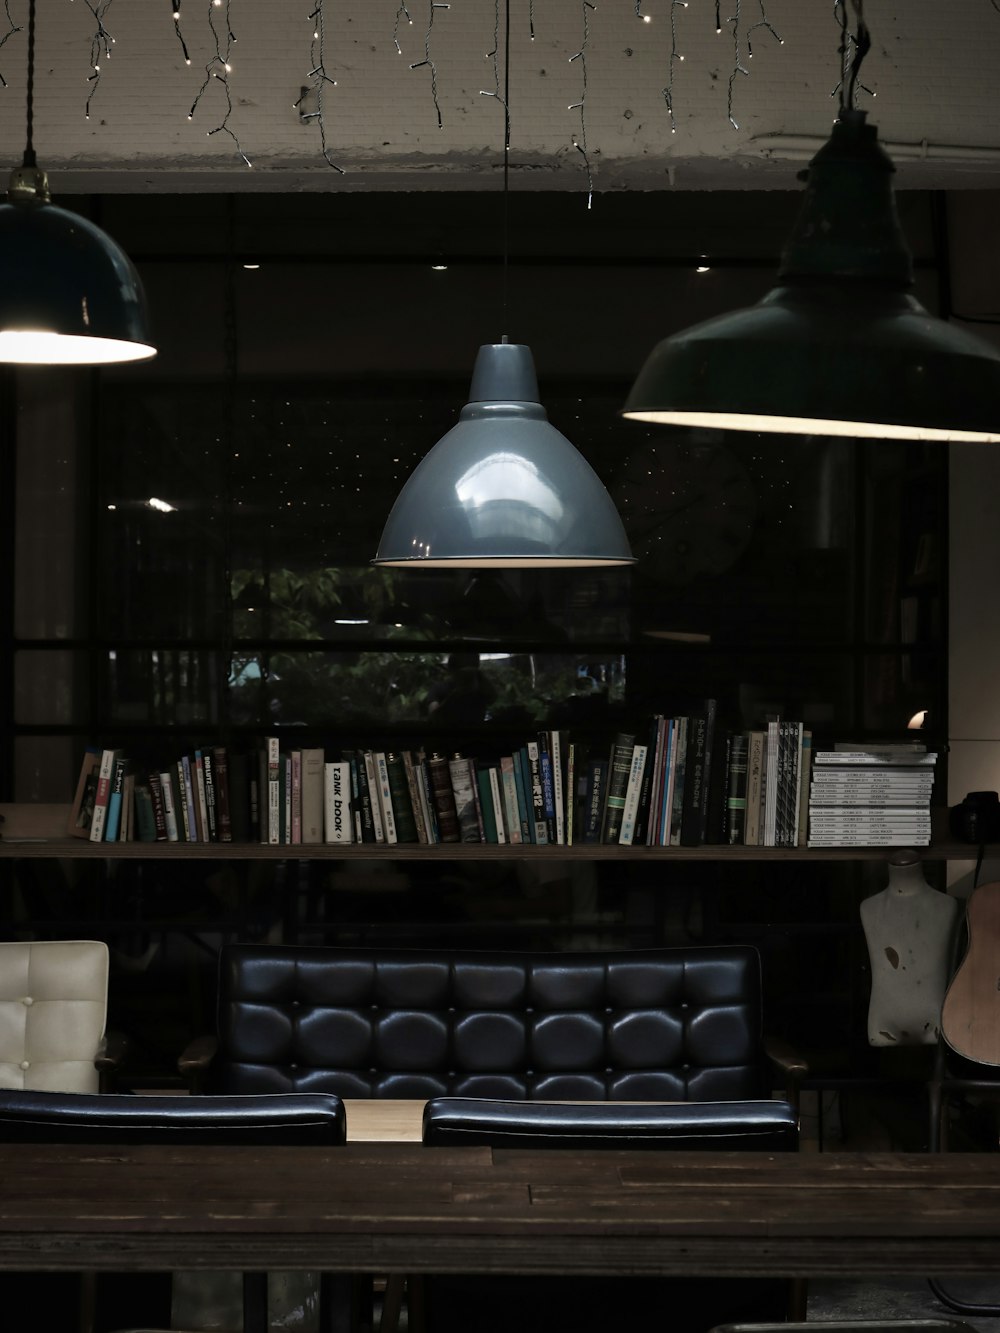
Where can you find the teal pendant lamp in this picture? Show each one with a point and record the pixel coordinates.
(840, 346)
(503, 487)
(68, 294)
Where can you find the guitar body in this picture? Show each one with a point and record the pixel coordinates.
(970, 1015)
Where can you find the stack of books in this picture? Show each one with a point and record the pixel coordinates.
(871, 796)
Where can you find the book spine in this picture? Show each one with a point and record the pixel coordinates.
(694, 773)
(772, 776)
(634, 786)
(539, 823)
(144, 817)
(385, 796)
(443, 795)
(238, 781)
(419, 821)
(112, 822)
(313, 776)
(273, 752)
(211, 806)
(548, 787)
(372, 778)
(597, 771)
(708, 782)
(339, 825)
(570, 793)
(463, 788)
(399, 794)
(204, 834)
(286, 798)
(490, 832)
(223, 814)
(168, 791)
(522, 784)
(736, 791)
(678, 764)
(82, 809)
(496, 802)
(619, 767)
(296, 801)
(426, 799)
(357, 765)
(511, 809)
(102, 795)
(558, 796)
(159, 812)
(127, 830)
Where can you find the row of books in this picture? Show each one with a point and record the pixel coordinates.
(875, 796)
(680, 781)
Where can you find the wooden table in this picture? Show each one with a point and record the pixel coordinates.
(384, 1120)
(406, 1208)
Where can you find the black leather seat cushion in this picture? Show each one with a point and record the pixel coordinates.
(57, 1117)
(645, 1025)
(755, 1126)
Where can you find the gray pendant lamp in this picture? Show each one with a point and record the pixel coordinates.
(68, 294)
(503, 487)
(840, 346)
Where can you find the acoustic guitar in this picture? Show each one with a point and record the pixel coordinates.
(970, 1015)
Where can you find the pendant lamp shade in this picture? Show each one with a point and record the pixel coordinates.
(840, 346)
(503, 487)
(68, 294)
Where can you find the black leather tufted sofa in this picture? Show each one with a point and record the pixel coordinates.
(674, 1024)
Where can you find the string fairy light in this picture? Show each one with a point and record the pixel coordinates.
(531, 19)
(765, 23)
(580, 141)
(100, 47)
(646, 18)
(853, 49)
(319, 79)
(433, 6)
(401, 13)
(175, 6)
(11, 29)
(675, 59)
(219, 68)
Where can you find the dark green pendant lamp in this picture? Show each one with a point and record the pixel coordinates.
(68, 294)
(840, 346)
(503, 487)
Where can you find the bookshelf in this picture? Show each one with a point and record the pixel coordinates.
(35, 831)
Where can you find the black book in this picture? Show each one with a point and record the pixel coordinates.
(736, 789)
(646, 790)
(593, 799)
(240, 812)
(619, 767)
(694, 777)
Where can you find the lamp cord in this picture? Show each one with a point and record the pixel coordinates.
(862, 45)
(506, 158)
(29, 148)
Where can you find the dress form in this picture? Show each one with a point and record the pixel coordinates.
(910, 929)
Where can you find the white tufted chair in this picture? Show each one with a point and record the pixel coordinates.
(53, 1007)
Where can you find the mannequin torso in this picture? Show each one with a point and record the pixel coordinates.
(910, 930)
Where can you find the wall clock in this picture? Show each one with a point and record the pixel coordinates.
(689, 508)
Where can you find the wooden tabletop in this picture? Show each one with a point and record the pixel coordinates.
(407, 1208)
(384, 1120)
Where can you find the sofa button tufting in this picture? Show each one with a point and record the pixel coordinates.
(28, 1000)
(25, 1064)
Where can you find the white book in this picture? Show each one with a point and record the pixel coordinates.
(182, 801)
(339, 826)
(632, 790)
(371, 773)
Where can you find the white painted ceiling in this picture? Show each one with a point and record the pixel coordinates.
(933, 67)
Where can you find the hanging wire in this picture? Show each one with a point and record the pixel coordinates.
(219, 68)
(401, 13)
(427, 60)
(675, 59)
(504, 100)
(175, 6)
(29, 144)
(580, 141)
(854, 46)
(12, 28)
(320, 79)
(765, 23)
(100, 46)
